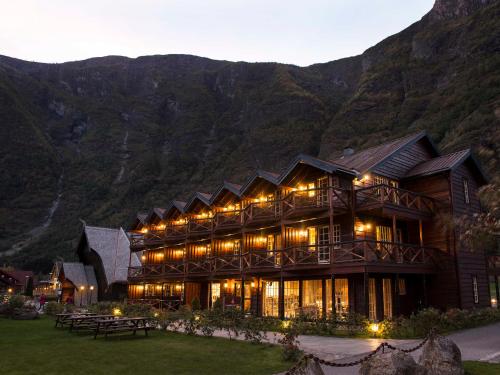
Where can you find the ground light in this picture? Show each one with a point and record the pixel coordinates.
(374, 328)
(117, 311)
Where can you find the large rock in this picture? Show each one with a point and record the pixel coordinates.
(441, 356)
(391, 363)
(311, 368)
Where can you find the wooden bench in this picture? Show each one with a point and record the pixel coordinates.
(62, 319)
(117, 325)
(88, 322)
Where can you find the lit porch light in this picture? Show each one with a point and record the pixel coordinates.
(117, 311)
(144, 230)
(374, 327)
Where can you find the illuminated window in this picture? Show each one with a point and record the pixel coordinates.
(312, 297)
(336, 234)
(372, 300)
(341, 295)
(291, 296)
(270, 298)
(215, 292)
(387, 290)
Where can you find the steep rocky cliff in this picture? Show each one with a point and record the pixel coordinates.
(103, 138)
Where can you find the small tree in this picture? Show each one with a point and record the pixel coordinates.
(29, 287)
(195, 304)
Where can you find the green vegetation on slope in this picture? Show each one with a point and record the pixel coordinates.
(128, 134)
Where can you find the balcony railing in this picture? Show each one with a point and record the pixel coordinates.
(261, 211)
(359, 251)
(154, 236)
(227, 219)
(226, 263)
(377, 195)
(318, 198)
(199, 225)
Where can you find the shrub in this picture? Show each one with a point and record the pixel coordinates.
(16, 302)
(53, 308)
(290, 342)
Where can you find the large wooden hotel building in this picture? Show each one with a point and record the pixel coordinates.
(368, 232)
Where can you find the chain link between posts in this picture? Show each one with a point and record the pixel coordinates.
(295, 370)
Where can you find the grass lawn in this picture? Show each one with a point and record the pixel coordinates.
(481, 368)
(36, 347)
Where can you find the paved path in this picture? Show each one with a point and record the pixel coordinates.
(479, 344)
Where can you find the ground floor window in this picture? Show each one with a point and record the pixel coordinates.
(153, 290)
(372, 299)
(215, 289)
(270, 298)
(341, 296)
(474, 289)
(291, 296)
(247, 303)
(173, 289)
(387, 295)
(312, 297)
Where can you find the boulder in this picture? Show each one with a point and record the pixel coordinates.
(391, 363)
(312, 368)
(441, 356)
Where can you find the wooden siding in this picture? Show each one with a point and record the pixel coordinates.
(402, 161)
(471, 262)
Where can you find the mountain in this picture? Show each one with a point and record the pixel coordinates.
(100, 139)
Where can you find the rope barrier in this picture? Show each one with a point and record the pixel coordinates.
(303, 361)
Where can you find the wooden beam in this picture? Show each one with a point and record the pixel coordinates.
(334, 311)
(323, 298)
(420, 233)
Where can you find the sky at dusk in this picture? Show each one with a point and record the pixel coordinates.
(295, 32)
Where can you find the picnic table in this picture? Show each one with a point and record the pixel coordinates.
(86, 321)
(62, 319)
(108, 326)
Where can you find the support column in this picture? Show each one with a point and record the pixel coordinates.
(209, 294)
(281, 298)
(366, 293)
(259, 302)
(424, 282)
(323, 298)
(242, 296)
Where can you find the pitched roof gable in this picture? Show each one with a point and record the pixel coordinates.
(368, 159)
(270, 177)
(113, 247)
(228, 186)
(202, 197)
(327, 166)
(444, 163)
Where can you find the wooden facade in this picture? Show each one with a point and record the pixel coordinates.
(367, 233)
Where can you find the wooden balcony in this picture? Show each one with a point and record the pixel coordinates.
(312, 200)
(199, 226)
(175, 231)
(226, 264)
(227, 220)
(154, 237)
(151, 271)
(261, 212)
(390, 200)
(197, 266)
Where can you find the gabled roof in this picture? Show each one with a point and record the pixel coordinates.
(370, 158)
(270, 177)
(17, 277)
(141, 217)
(227, 186)
(202, 197)
(444, 163)
(158, 211)
(113, 247)
(311, 161)
(79, 274)
(175, 205)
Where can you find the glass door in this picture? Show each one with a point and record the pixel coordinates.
(323, 244)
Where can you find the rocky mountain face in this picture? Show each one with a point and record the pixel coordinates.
(100, 139)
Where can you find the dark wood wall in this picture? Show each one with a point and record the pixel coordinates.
(401, 162)
(471, 262)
